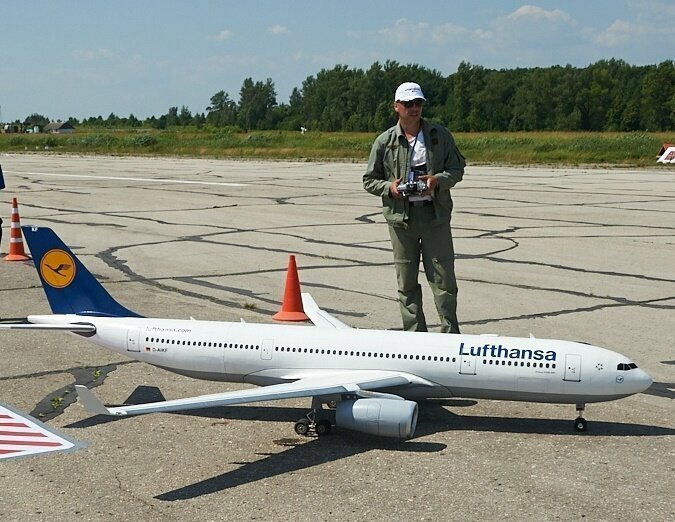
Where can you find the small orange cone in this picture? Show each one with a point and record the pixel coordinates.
(16, 252)
(291, 308)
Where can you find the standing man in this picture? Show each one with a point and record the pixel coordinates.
(418, 214)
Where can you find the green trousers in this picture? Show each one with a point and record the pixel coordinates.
(434, 243)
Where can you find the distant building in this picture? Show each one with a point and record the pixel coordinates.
(59, 128)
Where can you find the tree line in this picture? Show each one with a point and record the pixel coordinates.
(609, 95)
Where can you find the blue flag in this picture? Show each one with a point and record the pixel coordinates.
(2, 179)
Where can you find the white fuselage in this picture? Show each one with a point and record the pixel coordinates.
(472, 366)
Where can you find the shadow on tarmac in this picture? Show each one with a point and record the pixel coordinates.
(302, 452)
(434, 418)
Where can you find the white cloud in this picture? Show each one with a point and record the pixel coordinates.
(223, 35)
(524, 21)
(528, 29)
(278, 29)
(404, 32)
(624, 33)
(90, 55)
(618, 33)
(446, 33)
(532, 12)
(482, 34)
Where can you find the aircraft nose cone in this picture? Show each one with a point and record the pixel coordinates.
(643, 380)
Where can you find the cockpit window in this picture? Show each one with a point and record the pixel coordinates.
(624, 367)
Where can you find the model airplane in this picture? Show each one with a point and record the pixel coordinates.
(370, 377)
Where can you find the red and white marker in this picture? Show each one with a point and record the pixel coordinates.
(22, 435)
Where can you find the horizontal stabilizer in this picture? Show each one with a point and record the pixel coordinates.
(90, 402)
(75, 328)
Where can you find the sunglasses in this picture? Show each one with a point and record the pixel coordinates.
(410, 103)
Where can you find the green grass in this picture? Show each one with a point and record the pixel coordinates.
(567, 148)
(553, 148)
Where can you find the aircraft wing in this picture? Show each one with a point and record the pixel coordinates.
(358, 382)
(320, 317)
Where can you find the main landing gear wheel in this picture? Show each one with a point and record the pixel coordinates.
(323, 427)
(580, 424)
(302, 427)
(305, 427)
(310, 425)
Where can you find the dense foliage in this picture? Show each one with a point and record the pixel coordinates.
(609, 95)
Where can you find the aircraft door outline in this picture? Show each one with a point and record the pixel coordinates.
(467, 365)
(133, 340)
(266, 349)
(572, 368)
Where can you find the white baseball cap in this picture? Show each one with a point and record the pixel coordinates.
(409, 91)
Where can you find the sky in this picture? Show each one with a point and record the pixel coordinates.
(63, 58)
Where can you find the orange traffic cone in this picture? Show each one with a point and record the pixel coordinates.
(16, 252)
(291, 308)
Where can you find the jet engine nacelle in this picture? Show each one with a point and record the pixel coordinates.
(383, 417)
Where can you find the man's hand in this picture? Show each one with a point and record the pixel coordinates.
(431, 182)
(393, 190)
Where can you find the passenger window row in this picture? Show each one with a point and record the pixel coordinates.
(352, 353)
(518, 363)
(203, 343)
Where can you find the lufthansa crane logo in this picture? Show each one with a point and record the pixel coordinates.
(57, 268)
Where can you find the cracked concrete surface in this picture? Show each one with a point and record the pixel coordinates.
(579, 254)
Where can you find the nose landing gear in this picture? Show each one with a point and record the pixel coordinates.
(580, 423)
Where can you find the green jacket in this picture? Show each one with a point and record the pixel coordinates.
(388, 161)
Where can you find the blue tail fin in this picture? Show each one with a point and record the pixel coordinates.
(70, 287)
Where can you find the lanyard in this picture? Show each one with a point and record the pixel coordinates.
(411, 153)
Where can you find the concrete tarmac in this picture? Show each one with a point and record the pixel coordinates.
(578, 254)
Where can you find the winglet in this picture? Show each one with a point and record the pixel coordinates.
(318, 316)
(91, 402)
